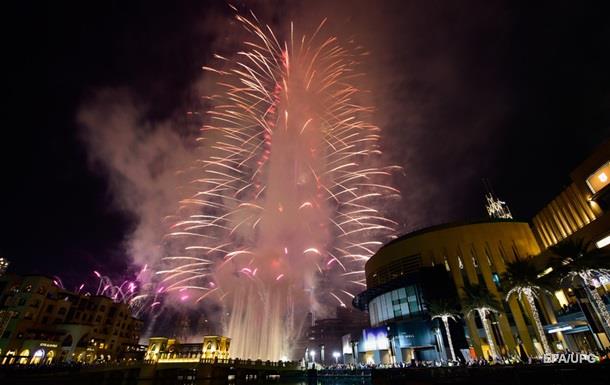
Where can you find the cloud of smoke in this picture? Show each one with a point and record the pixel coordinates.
(432, 101)
(439, 100)
(142, 160)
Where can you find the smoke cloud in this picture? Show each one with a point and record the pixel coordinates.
(437, 107)
(142, 160)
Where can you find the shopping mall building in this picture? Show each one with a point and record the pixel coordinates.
(411, 271)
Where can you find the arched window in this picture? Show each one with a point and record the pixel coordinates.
(37, 357)
(9, 357)
(49, 357)
(24, 356)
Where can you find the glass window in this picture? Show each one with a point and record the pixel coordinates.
(382, 313)
(373, 311)
(402, 293)
(412, 299)
(378, 310)
(388, 306)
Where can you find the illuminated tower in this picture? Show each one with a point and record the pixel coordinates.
(496, 209)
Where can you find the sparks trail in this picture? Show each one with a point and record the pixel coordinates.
(129, 291)
(284, 207)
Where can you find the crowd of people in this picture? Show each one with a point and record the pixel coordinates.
(604, 356)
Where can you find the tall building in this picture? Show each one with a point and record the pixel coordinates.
(496, 209)
(42, 323)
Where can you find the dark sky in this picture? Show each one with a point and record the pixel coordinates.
(529, 79)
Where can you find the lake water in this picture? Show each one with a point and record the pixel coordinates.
(272, 381)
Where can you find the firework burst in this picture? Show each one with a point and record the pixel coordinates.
(283, 206)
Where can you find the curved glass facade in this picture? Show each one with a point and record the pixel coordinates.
(397, 303)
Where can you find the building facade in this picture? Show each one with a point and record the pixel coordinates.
(401, 327)
(581, 209)
(44, 323)
(323, 339)
(470, 253)
(580, 212)
(164, 349)
(478, 253)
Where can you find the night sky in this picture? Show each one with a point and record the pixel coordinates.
(517, 92)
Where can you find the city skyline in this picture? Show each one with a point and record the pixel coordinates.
(383, 190)
(520, 61)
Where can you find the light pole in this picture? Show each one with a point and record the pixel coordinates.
(336, 355)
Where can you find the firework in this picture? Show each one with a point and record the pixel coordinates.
(283, 206)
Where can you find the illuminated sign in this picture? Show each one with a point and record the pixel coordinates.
(605, 241)
(375, 339)
(46, 345)
(560, 329)
(599, 179)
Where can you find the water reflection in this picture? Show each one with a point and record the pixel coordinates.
(355, 380)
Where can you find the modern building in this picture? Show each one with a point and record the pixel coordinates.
(478, 253)
(323, 339)
(164, 349)
(401, 327)
(467, 253)
(580, 212)
(582, 209)
(41, 322)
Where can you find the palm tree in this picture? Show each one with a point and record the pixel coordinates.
(580, 263)
(445, 311)
(521, 280)
(478, 299)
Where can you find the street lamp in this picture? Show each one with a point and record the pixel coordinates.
(313, 355)
(336, 355)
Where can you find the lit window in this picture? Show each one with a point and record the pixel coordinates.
(599, 179)
(605, 241)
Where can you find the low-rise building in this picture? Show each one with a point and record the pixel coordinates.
(44, 323)
(164, 349)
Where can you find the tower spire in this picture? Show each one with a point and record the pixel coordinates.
(496, 209)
